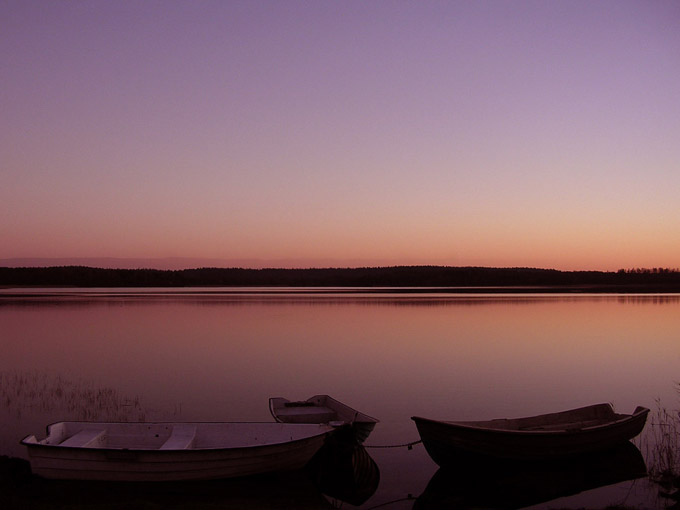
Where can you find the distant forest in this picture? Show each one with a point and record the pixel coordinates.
(407, 277)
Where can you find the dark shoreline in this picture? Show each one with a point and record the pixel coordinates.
(45, 291)
(403, 279)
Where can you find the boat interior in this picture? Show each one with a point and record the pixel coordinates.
(585, 417)
(317, 409)
(174, 436)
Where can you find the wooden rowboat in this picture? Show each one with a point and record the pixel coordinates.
(322, 409)
(547, 436)
(171, 451)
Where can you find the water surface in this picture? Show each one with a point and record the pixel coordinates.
(219, 354)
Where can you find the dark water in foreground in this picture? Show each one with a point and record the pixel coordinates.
(218, 355)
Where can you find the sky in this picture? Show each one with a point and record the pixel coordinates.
(318, 134)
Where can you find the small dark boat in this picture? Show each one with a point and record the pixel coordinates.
(322, 409)
(577, 431)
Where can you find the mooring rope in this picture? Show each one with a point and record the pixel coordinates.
(403, 445)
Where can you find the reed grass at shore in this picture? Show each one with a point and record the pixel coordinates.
(78, 400)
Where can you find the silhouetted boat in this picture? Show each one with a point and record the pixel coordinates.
(546, 436)
(475, 483)
(322, 409)
(172, 451)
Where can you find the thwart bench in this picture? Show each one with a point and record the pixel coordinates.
(181, 438)
(85, 438)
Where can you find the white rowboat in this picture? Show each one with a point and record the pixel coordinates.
(322, 409)
(171, 451)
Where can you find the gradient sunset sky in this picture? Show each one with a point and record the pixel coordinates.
(319, 133)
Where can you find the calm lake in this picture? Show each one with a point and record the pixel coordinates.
(219, 354)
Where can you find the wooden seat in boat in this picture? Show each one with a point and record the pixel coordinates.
(84, 438)
(306, 414)
(181, 438)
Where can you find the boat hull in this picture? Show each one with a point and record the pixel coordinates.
(149, 465)
(446, 442)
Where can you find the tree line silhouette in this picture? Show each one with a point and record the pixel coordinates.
(624, 280)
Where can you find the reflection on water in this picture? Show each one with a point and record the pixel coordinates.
(211, 355)
(344, 470)
(275, 491)
(482, 484)
(373, 296)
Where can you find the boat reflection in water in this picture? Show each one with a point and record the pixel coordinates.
(342, 469)
(339, 471)
(481, 482)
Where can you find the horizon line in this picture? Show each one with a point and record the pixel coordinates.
(193, 263)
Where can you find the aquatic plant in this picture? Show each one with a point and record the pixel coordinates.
(39, 392)
(663, 453)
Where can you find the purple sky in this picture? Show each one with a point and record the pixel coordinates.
(288, 133)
